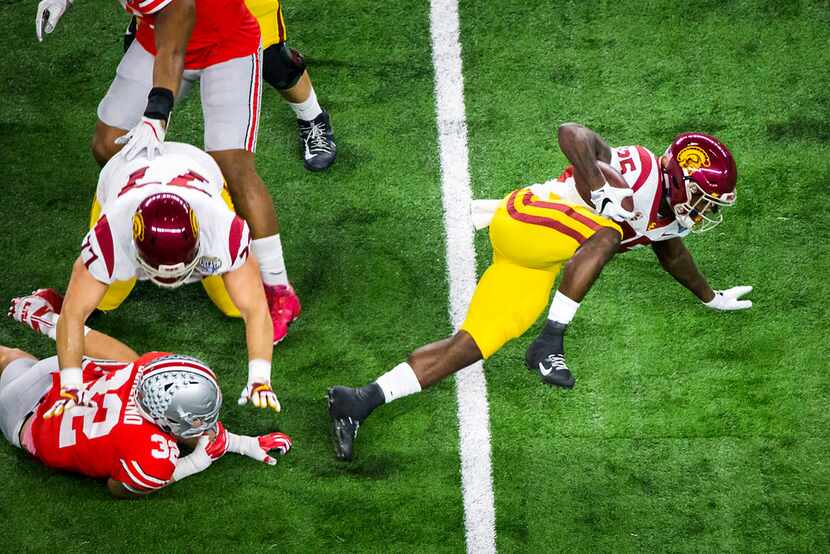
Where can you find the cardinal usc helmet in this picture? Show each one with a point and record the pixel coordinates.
(701, 177)
(180, 394)
(166, 237)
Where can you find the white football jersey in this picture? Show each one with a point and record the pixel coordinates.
(108, 250)
(641, 170)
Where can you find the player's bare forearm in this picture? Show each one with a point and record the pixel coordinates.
(676, 259)
(172, 28)
(245, 289)
(583, 147)
(82, 296)
(105, 347)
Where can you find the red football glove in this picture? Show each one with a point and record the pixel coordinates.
(218, 447)
(258, 447)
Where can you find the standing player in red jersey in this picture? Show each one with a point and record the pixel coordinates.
(139, 410)
(284, 68)
(219, 46)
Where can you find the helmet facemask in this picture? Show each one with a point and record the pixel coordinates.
(169, 276)
(701, 211)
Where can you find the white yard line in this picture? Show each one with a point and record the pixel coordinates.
(471, 388)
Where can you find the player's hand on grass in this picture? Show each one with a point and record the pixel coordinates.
(729, 299)
(49, 13)
(146, 137)
(258, 448)
(261, 395)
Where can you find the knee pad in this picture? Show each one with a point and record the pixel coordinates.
(282, 66)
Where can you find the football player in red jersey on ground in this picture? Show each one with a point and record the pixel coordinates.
(537, 231)
(218, 46)
(139, 410)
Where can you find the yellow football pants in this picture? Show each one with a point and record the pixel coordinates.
(531, 239)
(118, 291)
(271, 21)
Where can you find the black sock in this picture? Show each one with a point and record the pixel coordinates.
(553, 336)
(360, 404)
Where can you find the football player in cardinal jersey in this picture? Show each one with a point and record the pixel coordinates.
(139, 410)
(531, 238)
(167, 220)
(217, 45)
(536, 230)
(683, 191)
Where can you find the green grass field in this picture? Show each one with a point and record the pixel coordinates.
(688, 430)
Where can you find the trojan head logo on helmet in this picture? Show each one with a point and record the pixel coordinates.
(166, 237)
(180, 394)
(700, 176)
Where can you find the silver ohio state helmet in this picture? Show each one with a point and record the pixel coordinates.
(180, 394)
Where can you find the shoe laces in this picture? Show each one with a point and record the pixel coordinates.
(316, 138)
(557, 362)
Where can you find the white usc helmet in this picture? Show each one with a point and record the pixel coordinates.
(180, 394)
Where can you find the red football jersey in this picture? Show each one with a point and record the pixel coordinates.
(112, 440)
(224, 30)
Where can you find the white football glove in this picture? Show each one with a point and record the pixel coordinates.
(608, 202)
(260, 395)
(48, 14)
(258, 447)
(729, 299)
(147, 136)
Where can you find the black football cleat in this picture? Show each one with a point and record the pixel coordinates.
(348, 408)
(554, 371)
(343, 427)
(546, 356)
(317, 142)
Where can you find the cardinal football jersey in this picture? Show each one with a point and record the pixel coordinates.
(224, 30)
(108, 250)
(112, 440)
(641, 170)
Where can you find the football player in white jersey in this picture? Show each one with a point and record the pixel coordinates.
(681, 192)
(609, 199)
(166, 220)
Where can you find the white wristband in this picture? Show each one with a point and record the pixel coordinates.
(259, 371)
(243, 444)
(72, 378)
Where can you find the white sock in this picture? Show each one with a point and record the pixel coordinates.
(398, 382)
(562, 309)
(268, 252)
(309, 109)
